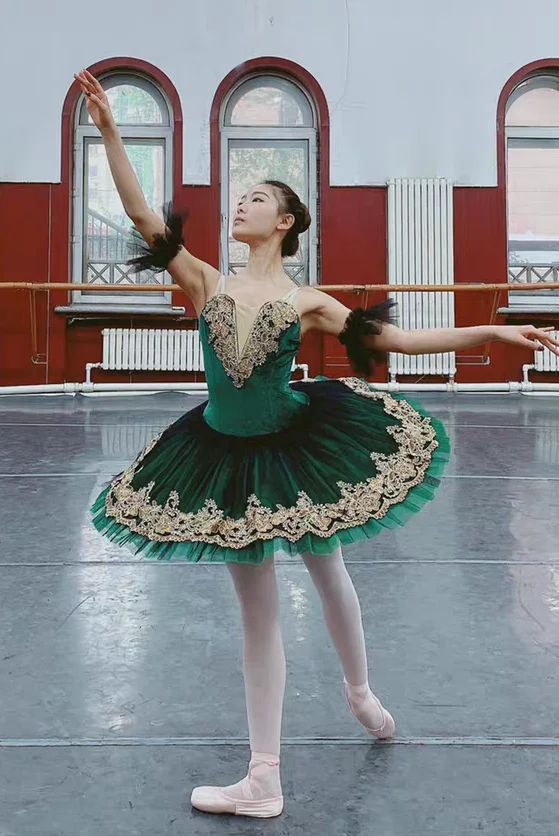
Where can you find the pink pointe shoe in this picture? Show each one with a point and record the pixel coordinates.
(258, 794)
(362, 711)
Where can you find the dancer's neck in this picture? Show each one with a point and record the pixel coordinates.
(264, 264)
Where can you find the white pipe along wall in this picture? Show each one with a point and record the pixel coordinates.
(524, 387)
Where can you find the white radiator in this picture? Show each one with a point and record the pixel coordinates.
(546, 361)
(152, 349)
(155, 349)
(420, 251)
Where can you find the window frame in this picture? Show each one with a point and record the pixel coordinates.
(514, 136)
(158, 133)
(248, 133)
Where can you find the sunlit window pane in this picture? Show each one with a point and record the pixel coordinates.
(131, 105)
(533, 192)
(532, 122)
(269, 102)
(533, 211)
(534, 106)
(250, 163)
(106, 225)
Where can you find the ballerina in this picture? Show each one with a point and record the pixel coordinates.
(267, 464)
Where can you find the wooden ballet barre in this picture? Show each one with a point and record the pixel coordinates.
(328, 288)
(496, 288)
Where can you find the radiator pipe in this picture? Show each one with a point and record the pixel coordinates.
(512, 387)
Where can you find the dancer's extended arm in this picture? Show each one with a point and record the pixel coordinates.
(368, 334)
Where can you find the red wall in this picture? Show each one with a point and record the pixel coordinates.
(34, 247)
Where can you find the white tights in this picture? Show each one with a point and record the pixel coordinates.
(263, 653)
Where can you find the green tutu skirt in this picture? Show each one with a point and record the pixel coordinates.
(355, 463)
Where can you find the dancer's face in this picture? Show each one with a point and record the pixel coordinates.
(258, 216)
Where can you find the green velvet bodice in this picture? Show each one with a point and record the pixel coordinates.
(248, 385)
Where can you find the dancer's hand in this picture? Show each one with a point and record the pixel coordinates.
(97, 102)
(528, 335)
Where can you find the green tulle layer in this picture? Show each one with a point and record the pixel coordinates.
(346, 428)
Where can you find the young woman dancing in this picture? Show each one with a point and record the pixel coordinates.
(268, 465)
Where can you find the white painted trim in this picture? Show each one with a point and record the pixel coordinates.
(532, 133)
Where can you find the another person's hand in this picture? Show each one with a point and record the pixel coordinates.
(97, 102)
(528, 335)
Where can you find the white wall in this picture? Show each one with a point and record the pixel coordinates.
(412, 87)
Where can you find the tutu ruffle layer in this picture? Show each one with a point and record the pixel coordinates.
(355, 463)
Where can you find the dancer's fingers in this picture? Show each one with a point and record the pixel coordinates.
(552, 346)
(83, 81)
(94, 82)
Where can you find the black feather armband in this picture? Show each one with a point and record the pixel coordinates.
(361, 323)
(165, 245)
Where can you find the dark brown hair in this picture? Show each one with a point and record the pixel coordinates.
(291, 204)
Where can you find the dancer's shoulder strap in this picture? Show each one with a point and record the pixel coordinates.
(291, 294)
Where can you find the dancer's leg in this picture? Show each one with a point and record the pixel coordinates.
(342, 613)
(263, 653)
(259, 793)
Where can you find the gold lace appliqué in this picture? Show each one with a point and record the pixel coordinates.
(272, 318)
(397, 473)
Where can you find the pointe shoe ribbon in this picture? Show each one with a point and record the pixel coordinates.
(388, 726)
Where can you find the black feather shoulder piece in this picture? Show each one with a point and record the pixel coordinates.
(165, 246)
(360, 323)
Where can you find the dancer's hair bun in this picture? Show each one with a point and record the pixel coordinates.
(291, 204)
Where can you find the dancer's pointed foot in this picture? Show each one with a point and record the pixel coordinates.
(258, 794)
(366, 707)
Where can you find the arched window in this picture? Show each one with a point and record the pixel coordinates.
(532, 136)
(268, 131)
(101, 227)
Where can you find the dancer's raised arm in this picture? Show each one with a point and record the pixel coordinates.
(196, 278)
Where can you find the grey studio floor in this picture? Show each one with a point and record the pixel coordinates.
(120, 678)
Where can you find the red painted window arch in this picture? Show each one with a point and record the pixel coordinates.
(549, 66)
(151, 73)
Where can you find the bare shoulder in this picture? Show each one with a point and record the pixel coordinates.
(324, 313)
(321, 312)
(210, 278)
(312, 299)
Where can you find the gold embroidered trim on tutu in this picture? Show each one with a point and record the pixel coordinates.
(272, 318)
(397, 474)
